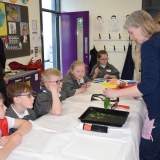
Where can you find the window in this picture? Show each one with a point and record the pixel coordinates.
(50, 39)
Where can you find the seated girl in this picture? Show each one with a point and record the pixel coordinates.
(103, 69)
(76, 82)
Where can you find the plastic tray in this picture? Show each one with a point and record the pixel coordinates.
(104, 117)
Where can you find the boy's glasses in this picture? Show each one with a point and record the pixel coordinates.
(28, 95)
(58, 81)
(104, 59)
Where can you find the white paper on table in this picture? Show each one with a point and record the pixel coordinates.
(96, 149)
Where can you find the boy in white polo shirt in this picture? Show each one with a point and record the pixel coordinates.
(10, 141)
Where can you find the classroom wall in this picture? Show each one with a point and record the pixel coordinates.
(105, 8)
(34, 14)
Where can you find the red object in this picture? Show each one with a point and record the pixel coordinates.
(87, 127)
(131, 85)
(4, 127)
(122, 106)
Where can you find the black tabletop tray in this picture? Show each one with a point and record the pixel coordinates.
(104, 117)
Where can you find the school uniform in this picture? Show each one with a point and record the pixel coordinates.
(70, 84)
(5, 124)
(29, 114)
(43, 102)
(103, 70)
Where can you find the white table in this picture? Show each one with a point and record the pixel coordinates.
(59, 137)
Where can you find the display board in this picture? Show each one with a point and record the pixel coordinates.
(14, 30)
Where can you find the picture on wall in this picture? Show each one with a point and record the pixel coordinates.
(3, 25)
(12, 28)
(25, 1)
(99, 23)
(114, 23)
(13, 12)
(15, 33)
(24, 32)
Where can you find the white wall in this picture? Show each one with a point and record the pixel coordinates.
(34, 14)
(105, 8)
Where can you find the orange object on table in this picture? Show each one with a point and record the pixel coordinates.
(122, 106)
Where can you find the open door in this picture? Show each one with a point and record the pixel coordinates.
(74, 39)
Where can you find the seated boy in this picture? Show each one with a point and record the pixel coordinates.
(20, 96)
(10, 141)
(48, 101)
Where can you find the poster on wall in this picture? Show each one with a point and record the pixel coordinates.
(24, 32)
(124, 17)
(34, 26)
(13, 12)
(25, 1)
(99, 23)
(12, 28)
(13, 1)
(114, 23)
(3, 25)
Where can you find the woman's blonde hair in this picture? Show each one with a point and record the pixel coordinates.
(157, 19)
(143, 20)
(50, 73)
(73, 65)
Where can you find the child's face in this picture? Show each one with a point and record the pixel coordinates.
(57, 81)
(25, 100)
(103, 60)
(78, 72)
(2, 109)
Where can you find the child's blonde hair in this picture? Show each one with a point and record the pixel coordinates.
(15, 89)
(157, 19)
(73, 65)
(50, 73)
(2, 97)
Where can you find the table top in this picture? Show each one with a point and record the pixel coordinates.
(60, 138)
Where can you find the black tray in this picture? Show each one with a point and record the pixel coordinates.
(104, 117)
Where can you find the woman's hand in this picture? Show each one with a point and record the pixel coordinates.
(110, 93)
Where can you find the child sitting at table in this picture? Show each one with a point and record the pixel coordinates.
(10, 141)
(48, 101)
(21, 98)
(76, 82)
(103, 69)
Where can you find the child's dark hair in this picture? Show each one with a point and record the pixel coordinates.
(15, 89)
(100, 54)
(2, 97)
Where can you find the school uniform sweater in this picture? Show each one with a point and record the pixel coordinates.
(108, 69)
(150, 75)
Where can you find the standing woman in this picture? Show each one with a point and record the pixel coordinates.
(157, 20)
(142, 29)
(3, 78)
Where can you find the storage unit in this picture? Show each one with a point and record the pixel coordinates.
(30, 77)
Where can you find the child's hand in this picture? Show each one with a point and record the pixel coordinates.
(4, 140)
(53, 87)
(106, 76)
(83, 89)
(96, 71)
(16, 139)
(84, 85)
